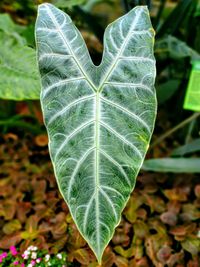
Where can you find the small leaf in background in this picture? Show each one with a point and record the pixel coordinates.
(7, 209)
(10, 240)
(140, 229)
(169, 218)
(67, 3)
(132, 206)
(121, 238)
(59, 244)
(189, 213)
(108, 258)
(177, 193)
(197, 191)
(12, 226)
(143, 262)
(164, 253)
(173, 47)
(191, 147)
(39, 189)
(121, 262)
(138, 248)
(81, 255)
(166, 90)
(176, 165)
(192, 245)
(155, 203)
(183, 230)
(60, 226)
(126, 253)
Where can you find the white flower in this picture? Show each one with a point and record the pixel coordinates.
(59, 256)
(30, 247)
(34, 248)
(29, 265)
(38, 260)
(47, 257)
(26, 252)
(34, 255)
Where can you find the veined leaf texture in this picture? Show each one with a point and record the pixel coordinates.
(99, 118)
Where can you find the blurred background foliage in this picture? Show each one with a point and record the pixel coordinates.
(166, 221)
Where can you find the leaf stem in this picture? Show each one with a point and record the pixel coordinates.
(174, 129)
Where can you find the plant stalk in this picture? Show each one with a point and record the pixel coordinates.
(177, 127)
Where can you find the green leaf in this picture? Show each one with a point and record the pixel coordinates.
(177, 165)
(174, 48)
(68, 3)
(19, 77)
(192, 245)
(191, 147)
(99, 118)
(10, 28)
(166, 90)
(12, 226)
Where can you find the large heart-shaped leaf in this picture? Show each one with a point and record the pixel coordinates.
(99, 118)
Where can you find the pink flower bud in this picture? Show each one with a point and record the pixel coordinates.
(33, 262)
(2, 256)
(13, 251)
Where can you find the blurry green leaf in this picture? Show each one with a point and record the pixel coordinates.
(190, 212)
(180, 165)
(28, 34)
(197, 12)
(19, 77)
(191, 147)
(192, 245)
(10, 240)
(140, 229)
(82, 256)
(121, 262)
(176, 18)
(132, 206)
(121, 238)
(91, 3)
(7, 209)
(166, 90)
(126, 253)
(10, 28)
(175, 48)
(68, 3)
(12, 226)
